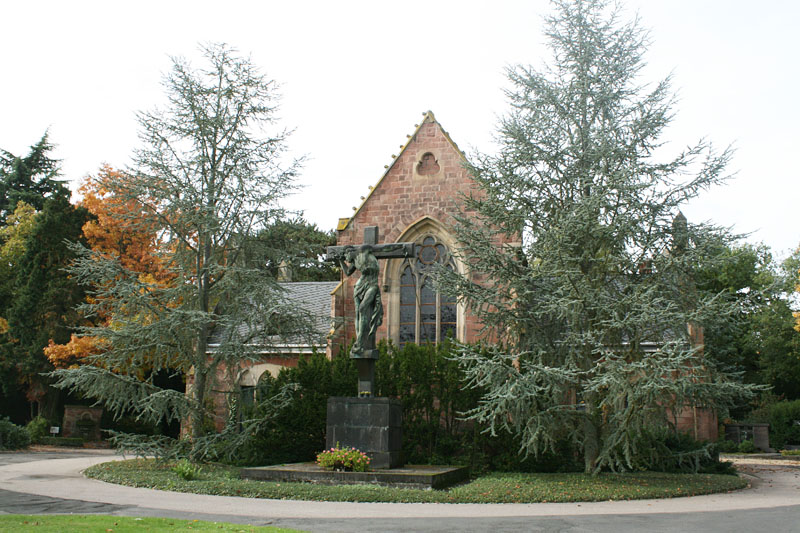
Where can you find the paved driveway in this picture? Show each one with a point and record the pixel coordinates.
(51, 482)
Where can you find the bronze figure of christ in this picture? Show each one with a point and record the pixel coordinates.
(367, 297)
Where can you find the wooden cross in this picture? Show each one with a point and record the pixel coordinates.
(367, 292)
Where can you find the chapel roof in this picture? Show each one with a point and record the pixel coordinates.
(312, 298)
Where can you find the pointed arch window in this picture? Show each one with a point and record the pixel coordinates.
(426, 315)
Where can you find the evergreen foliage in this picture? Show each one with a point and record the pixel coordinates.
(592, 303)
(296, 432)
(44, 301)
(759, 339)
(13, 236)
(209, 176)
(419, 376)
(12, 437)
(296, 247)
(38, 428)
(784, 422)
(429, 385)
(26, 184)
(661, 450)
(30, 179)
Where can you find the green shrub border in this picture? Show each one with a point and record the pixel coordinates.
(12, 436)
(73, 442)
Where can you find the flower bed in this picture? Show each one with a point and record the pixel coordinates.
(343, 459)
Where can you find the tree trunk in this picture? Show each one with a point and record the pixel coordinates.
(48, 405)
(591, 445)
(196, 415)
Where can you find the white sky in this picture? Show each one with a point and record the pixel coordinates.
(357, 76)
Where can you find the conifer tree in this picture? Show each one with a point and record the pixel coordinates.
(209, 175)
(43, 300)
(30, 179)
(592, 308)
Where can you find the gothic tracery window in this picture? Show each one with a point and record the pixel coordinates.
(425, 314)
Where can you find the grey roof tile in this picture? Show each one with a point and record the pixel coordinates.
(312, 297)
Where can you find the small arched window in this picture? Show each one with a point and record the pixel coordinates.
(426, 315)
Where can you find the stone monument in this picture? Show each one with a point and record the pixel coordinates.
(370, 424)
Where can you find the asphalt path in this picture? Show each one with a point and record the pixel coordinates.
(50, 482)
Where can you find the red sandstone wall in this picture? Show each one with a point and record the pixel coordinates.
(699, 422)
(402, 198)
(223, 387)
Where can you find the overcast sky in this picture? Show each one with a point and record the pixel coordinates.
(357, 76)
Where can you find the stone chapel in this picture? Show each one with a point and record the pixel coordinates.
(415, 200)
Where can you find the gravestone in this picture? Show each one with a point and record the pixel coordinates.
(367, 423)
(82, 421)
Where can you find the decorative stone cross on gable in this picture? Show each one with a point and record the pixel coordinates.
(367, 297)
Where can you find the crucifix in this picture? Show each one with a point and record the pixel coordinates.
(367, 297)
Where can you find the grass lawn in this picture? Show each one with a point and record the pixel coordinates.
(492, 488)
(21, 522)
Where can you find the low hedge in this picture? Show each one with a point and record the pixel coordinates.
(430, 386)
(74, 442)
(12, 436)
(783, 427)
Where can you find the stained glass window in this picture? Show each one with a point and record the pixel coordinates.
(426, 315)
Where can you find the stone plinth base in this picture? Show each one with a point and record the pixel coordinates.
(372, 425)
(408, 477)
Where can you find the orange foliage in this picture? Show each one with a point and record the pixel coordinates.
(118, 230)
(70, 354)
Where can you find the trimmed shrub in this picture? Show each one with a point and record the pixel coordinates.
(297, 432)
(663, 450)
(784, 423)
(186, 470)
(430, 387)
(747, 446)
(727, 446)
(38, 428)
(12, 436)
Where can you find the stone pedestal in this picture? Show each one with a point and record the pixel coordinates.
(372, 425)
(366, 374)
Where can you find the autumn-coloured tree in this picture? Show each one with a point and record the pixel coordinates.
(119, 229)
(116, 230)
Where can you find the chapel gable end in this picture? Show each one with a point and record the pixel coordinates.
(426, 179)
